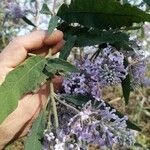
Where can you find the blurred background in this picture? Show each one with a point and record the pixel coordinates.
(16, 17)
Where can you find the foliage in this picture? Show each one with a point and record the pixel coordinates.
(33, 141)
(19, 82)
(103, 14)
(113, 60)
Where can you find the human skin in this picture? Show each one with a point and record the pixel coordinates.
(18, 123)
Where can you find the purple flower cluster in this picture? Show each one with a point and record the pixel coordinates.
(137, 70)
(106, 70)
(60, 141)
(111, 70)
(14, 10)
(100, 126)
(146, 82)
(96, 125)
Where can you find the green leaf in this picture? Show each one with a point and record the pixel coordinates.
(53, 24)
(56, 64)
(78, 100)
(138, 145)
(125, 2)
(28, 21)
(86, 37)
(94, 37)
(147, 113)
(148, 110)
(45, 9)
(32, 1)
(102, 14)
(126, 89)
(24, 79)
(33, 141)
(147, 2)
(122, 44)
(64, 53)
(133, 126)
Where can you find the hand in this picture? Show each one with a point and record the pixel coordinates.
(19, 121)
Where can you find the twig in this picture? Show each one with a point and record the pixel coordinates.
(115, 100)
(67, 105)
(53, 102)
(31, 54)
(49, 115)
(54, 4)
(37, 12)
(49, 55)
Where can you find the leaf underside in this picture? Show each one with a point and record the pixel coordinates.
(53, 23)
(57, 64)
(33, 141)
(24, 79)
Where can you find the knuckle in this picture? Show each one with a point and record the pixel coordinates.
(16, 41)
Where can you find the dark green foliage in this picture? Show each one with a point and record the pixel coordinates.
(28, 21)
(45, 9)
(53, 23)
(64, 53)
(102, 14)
(77, 100)
(58, 65)
(126, 89)
(87, 37)
(147, 2)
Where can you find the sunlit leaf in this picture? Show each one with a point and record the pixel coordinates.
(33, 141)
(24, 79)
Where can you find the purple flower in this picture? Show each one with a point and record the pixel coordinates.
(111, 70)
(106, 70)
(146, 82)
(75, 82)
(59, 141)
(100, 125)
(137, 70)
(14, 10)
(94, 124)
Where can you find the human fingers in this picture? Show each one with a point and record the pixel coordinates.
(45, 49)
(27, 111)
(17, 50)
(57, 82)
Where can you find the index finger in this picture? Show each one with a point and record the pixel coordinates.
(16, 51)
